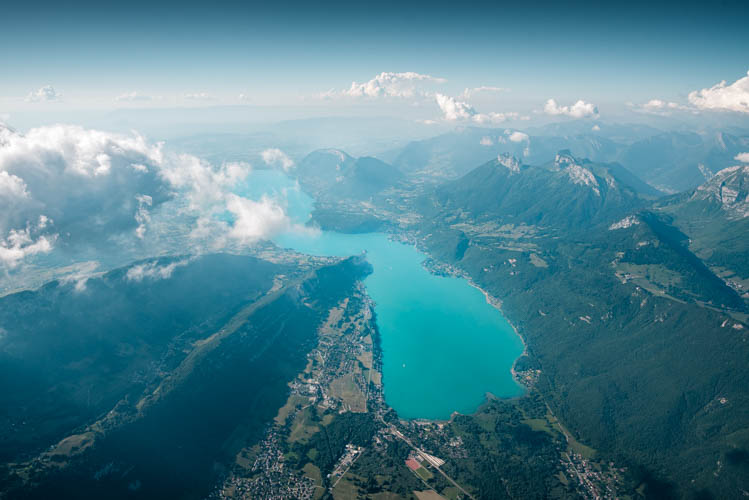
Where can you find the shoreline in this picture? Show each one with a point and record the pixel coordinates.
(439, 268)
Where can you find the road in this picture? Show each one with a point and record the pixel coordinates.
(427, 457)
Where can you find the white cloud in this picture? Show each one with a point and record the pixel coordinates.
(80, 273)
(388, 84)
(44, 94)
(133, 97)
(243, 97)
(742, 157)
(100, 187)
(83, 179)
(486, 141)
(595, 128)
(255, 219)
(468, 93)
(202, 185)
(660, 107)
(153, 271)
(200, 96)
(12, 186)
(276, 157)
(142, 217)
(20, 243)
(517, 136)
(580, 109)
(455, 110)
(733, 97)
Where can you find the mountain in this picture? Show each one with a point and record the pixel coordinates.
(140, 382)
(677, 161)
(639, 344)
(452, 155)
(565, 194)
(333, 173)
(670, 161)
(715, 217)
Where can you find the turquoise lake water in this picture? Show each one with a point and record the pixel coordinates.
(443, 346)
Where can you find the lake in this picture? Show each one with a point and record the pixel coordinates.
(443, 346)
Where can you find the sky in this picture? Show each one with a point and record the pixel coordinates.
(90, 92)
(613, 57)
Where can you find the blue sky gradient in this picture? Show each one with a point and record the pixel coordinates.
(287, 53)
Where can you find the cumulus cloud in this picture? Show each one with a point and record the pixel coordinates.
(580, 109)
(276, 157)
(660, 107)
(101, 189)
(44, 94)
(12, 186)
(82, 179)
(388, 84)
(153, 271)
(22, 243)
(243, 97)
(486, 141)
(742, 157)
(468, 93)
(78, 274)
(733, 97)
(133, 97)
(255, 219)
(142, 217)
(455, 110)
(518, 136)
(200, 96)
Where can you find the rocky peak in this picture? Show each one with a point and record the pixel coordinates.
(509, 162)
(729, 188)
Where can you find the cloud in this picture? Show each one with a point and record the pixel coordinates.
(276, 157)
(79, 274)
(105, 190)
(659, 104)
(200, 96)
(517, 136)
(20, 243)
(388, 84)
(595, 128)
(455, 110)
(82, 179)
(660, 107)
(243, 97)
(44, 94)
(133, 97)
(742, 157)
(255, 219)
(733, 97)
(580, 109)
(12, 186)
(486, 141)
(468, 93)
(153, 271)
(142, 217)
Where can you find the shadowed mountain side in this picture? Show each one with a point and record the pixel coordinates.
(215, 397)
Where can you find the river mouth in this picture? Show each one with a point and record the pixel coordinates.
(444, 347)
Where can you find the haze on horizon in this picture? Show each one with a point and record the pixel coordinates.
(434, 63)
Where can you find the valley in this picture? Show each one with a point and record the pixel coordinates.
(625, 349)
